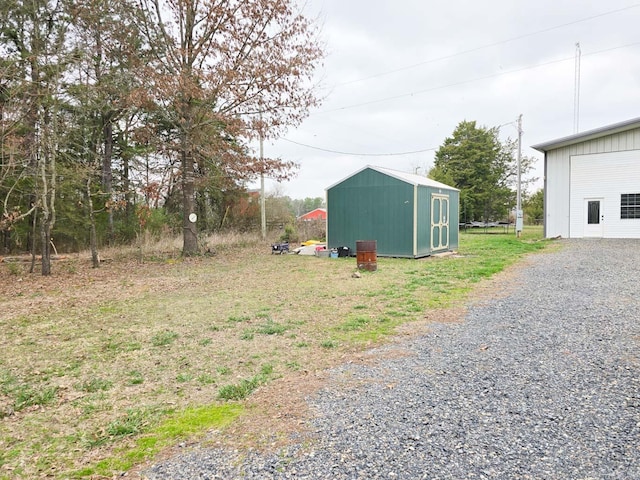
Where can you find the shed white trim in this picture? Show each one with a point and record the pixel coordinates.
(409, 178)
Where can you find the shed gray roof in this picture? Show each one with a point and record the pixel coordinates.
(588, 135)
(410, 178)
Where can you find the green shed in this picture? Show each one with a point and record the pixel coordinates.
(407, 215)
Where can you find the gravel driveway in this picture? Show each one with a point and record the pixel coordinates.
(541, 382)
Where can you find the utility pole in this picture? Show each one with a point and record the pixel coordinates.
(263, 213)
(519, 216)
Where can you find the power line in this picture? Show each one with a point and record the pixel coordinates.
(353, 154)
(397, 154)
(489, 45)
(462, 82)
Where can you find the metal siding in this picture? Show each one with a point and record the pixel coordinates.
(616, 144)
(372, 206)
(423, 246)
(415, 222)
(557, 193)
(454, 219)
(392, 218)
(544, 197)
(605, 176)
(558, 219)
(623, 140)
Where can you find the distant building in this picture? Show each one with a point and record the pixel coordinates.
(592, 183)
(317, 214)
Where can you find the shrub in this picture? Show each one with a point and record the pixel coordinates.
(290, 234)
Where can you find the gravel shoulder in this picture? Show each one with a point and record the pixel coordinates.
(541, 380)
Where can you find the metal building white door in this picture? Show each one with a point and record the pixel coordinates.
(439, 221)
(593, 217)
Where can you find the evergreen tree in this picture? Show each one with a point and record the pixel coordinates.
(534, 208)
(474, 160)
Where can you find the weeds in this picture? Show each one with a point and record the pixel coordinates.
(266, 369)
(243, 389)
(247, 335)
(26, 396)
(8, 382)
(206, 379)
(175, 426)
(135, 377)
(271, 328)
(295, 366)
(116, 346)
(94, 385)
(355, 323)
(164, 338)
(14, 268)
(132, 423)
(240, 390)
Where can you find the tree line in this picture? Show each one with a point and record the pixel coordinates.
(110, 109)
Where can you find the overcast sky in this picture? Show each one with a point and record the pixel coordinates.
(400, 75)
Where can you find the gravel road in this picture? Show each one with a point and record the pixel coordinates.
(541, 381)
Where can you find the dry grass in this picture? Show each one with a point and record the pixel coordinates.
(93, 358)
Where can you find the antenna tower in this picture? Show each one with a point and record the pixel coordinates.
(576, 92)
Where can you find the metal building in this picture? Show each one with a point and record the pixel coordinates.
(407, 215)
(592, 183)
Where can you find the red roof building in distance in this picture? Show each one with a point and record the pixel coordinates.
(317, 214)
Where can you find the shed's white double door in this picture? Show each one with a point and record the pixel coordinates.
(439, 221)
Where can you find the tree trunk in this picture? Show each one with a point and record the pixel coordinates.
(95, 259)
(190, 233)
(45, 239)
(34, 229)
(107, 174)
(126, 185)
(47, 159)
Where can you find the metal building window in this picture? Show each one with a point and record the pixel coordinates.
(629, 205)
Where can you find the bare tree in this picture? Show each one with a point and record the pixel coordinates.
(217, 65)
(33, 36)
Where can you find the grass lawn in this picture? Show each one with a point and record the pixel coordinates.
(104, 369)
